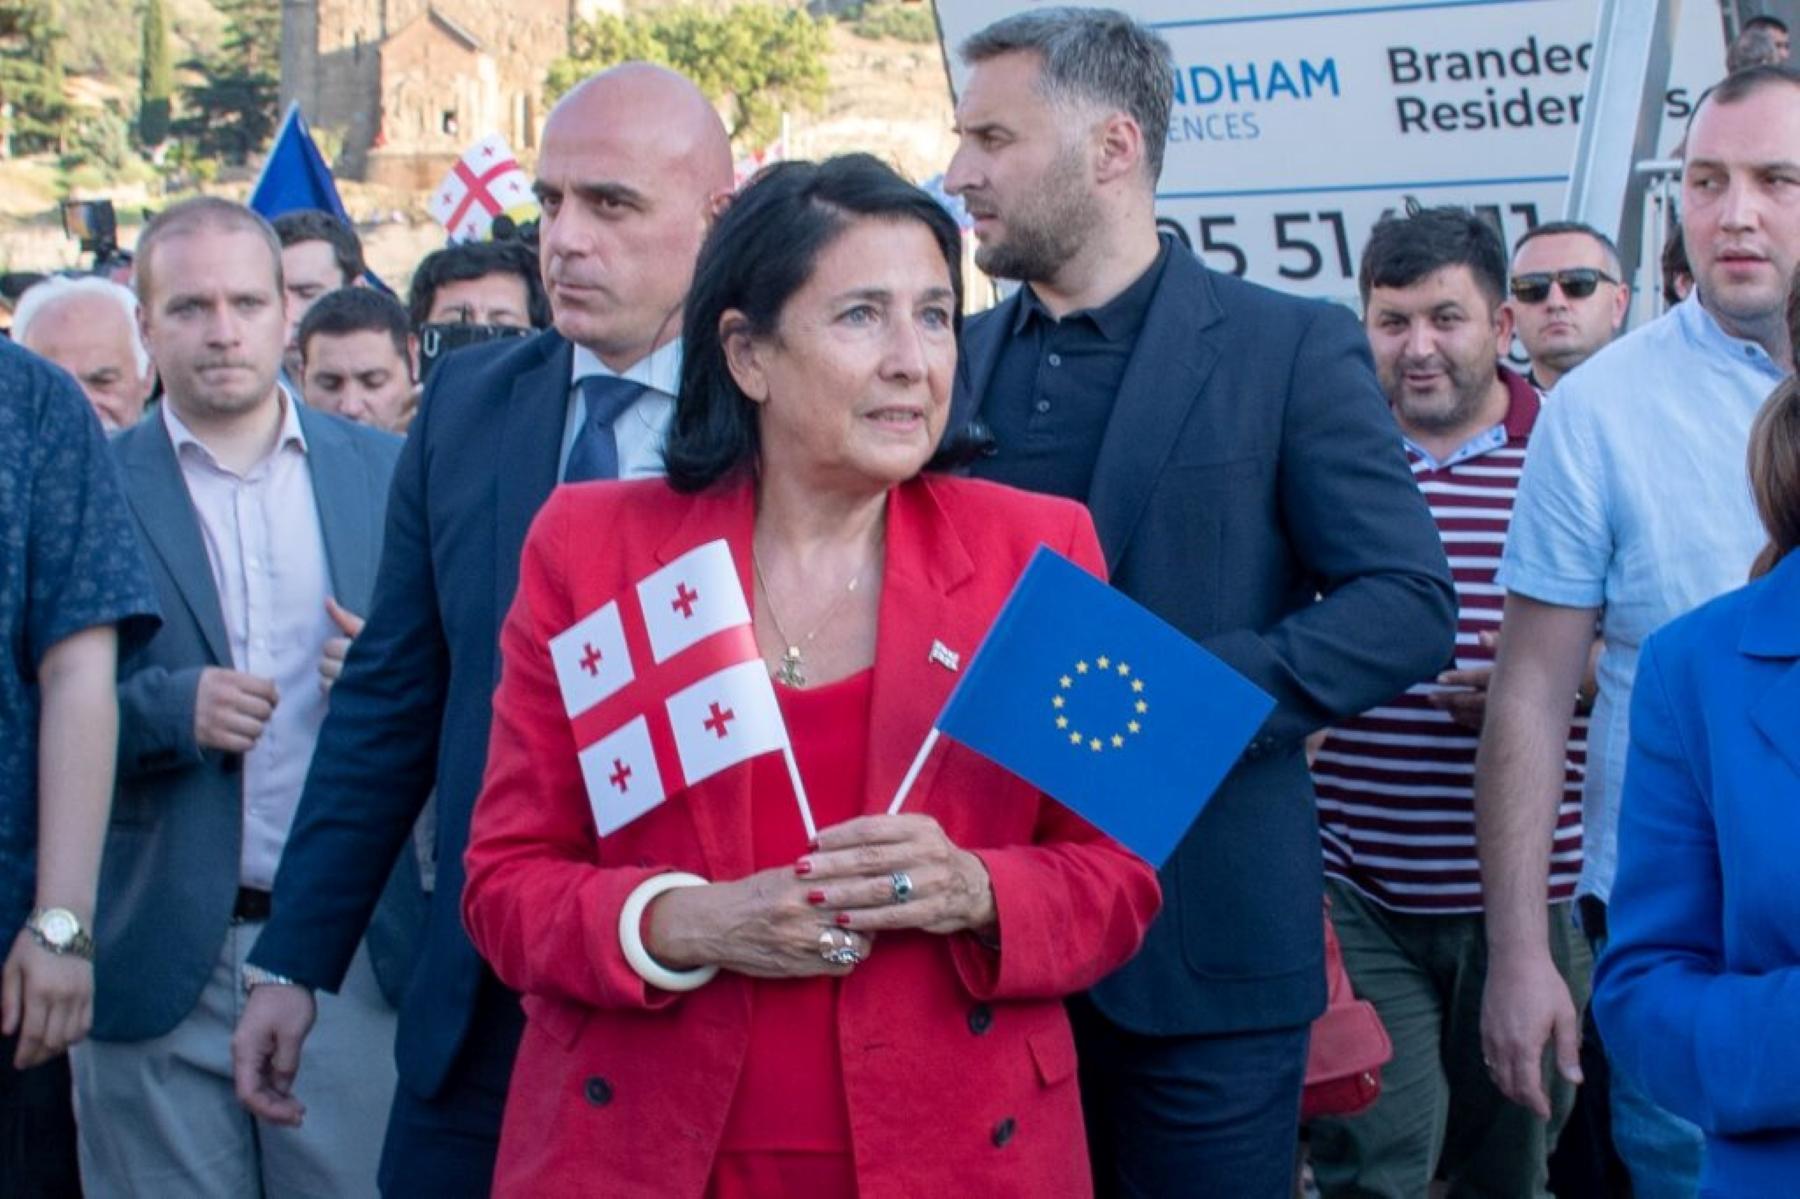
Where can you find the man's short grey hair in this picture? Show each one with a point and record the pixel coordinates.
(41, 297)
(1096, 55)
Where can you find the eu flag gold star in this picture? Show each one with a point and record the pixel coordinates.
(1133, 726)
(1094, 745)
(1118, 741)
(1075, 737)
(1142, 707)
(1081, 668)
(1062, 722)
(1137, 684)
(1056, 701)
(1103, 662)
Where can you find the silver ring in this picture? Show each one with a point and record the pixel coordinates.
(838, 953)
(903, 886)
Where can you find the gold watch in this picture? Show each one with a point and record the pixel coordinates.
(59, 930)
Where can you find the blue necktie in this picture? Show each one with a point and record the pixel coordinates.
(595, 454)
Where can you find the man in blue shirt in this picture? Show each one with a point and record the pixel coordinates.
(1633, 509)
(72, 584)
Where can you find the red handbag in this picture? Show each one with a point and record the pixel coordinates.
(1349, 1044)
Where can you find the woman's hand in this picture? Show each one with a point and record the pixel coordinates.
(761, 926)
(853, 875)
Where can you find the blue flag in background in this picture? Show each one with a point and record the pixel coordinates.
(294, 176)
(1099, 703)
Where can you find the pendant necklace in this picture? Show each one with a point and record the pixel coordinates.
(793, 662)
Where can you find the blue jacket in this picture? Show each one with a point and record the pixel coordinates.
(169, 875)
(1698, 993)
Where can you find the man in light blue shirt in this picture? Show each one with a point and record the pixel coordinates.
(1634, 507)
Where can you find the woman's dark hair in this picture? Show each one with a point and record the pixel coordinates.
(759, 253)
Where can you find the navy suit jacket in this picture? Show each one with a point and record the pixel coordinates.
(1252, 491)
(414, 704)
(1698, 992)
(169, 875)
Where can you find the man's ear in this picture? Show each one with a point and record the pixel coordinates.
(412, 355)
(1121, 147)
(741, 356)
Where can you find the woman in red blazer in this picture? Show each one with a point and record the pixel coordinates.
(878, 1013)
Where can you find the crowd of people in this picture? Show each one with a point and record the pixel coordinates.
(320, 876)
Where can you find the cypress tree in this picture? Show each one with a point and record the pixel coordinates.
(154, 78)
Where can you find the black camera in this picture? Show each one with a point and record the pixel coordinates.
(438, 340)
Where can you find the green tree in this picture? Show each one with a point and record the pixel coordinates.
(756, 59)
(231, 112)
(31, 75)
(154, 77)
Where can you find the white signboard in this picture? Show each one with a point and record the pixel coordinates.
(1298, 123)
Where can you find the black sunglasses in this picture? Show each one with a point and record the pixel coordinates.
(1578, 284)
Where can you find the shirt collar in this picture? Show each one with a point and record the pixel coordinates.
(1120, 318)
(183, 439)
(660, 370)
(1706, 334)
(1522, 403)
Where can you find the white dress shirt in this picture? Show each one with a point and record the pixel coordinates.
(267, 552)
(641, 429)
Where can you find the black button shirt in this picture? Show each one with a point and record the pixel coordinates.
(1054, 384)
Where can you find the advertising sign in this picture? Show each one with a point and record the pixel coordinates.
(1298, 123)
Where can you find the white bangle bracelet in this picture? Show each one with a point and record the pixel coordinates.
(631, 935)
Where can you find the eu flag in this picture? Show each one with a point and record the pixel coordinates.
(1101, 704)
(294, 175)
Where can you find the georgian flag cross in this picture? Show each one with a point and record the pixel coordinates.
(664, 686)
(484, 183)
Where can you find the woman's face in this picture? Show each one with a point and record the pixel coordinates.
(854, 384)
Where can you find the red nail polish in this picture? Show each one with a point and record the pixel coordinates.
(803, 866)
(815, 897)
(843, 918)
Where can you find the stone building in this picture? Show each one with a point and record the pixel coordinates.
(409, 84)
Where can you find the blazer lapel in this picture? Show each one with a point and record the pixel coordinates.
(341, 494)
(1176, 351)
(925, 563)
(166, 514)
(525, 469)
(720, 806)
(982, 340)
(1771, 630)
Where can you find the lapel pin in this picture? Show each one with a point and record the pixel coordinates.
(946, 657)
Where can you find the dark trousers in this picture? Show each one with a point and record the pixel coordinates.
(37, 1129)
(1199, 1116)
(445, 1146)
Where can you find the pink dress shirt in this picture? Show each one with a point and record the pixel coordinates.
(267, 551)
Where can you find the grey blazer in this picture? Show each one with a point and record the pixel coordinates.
(169, 876)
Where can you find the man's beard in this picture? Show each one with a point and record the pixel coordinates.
(1047, 230)
(1468, 389)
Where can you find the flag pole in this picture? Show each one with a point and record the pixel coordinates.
(806, 816)
(912, 772)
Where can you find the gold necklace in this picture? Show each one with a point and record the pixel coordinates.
(792, 661)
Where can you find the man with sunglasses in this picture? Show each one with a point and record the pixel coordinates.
(1568, 299)
(1633, 508)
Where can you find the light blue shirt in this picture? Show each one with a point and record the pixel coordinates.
(1635, 500)
(641, 429)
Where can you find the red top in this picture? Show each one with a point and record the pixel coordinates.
(791, 1094)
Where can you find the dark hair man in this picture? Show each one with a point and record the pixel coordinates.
(319, 253)
(1762, 42)
(1569, 297)
(73, 586)
(357, 353)
(1240, 461)
(479, 283)
(1396, 800)
(262, 515)
(634, 165)
(1633, 509)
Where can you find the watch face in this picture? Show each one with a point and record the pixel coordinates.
(59, 926)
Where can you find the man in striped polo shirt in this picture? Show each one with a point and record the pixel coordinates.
(1396, 785)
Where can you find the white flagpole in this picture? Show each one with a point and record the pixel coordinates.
(806, 816)
(912, 772)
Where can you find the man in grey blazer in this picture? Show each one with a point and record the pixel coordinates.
(262, 521)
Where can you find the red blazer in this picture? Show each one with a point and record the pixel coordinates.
(958, 1061)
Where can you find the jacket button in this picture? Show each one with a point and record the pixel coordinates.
(981, 1018)
(599, 1092)
(1003, 1132)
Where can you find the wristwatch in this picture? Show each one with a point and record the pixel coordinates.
(59, 930)
(256, 976)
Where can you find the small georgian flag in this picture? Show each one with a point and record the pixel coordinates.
(485, 182)
(692, 598)
(726, 718)
(621, 776)
(591, 659)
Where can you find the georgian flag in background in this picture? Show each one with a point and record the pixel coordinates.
(665, 686)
